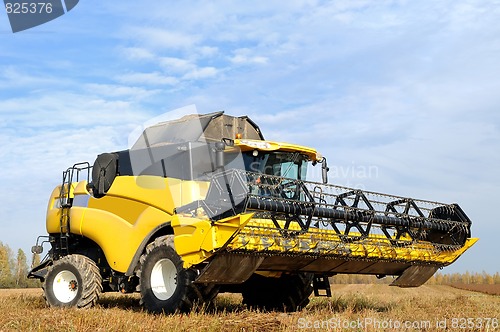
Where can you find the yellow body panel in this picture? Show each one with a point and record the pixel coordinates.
(198, 239)
(144, 190)
(121, 220)
(184, 192)
(118, 239)
(53, 217)
(54, 223)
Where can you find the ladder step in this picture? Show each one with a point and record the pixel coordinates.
(321, 283)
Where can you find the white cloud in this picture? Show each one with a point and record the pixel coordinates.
(207, 51)
(12, 77)
(176, 65)
(159, 38)
(137, 53)
(121, 91)
(186, 69)
(200, 73)
(69, 110)
(154, 78)
(242, 59)
(244, 56)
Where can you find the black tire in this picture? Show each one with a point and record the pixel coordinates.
(173, 288)
(73, 281)
(288, 293)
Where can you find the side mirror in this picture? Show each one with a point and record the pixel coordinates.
(219, 155)
(37, 249)
(324, 170)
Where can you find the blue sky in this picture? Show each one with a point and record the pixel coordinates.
(407, 89)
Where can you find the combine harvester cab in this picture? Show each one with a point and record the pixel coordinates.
(204, 204)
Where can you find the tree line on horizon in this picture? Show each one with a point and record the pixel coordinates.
(14, 269)
(437, 279)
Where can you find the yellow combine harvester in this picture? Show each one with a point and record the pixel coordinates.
(204, 204)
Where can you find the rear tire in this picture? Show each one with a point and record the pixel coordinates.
(288, 293)
(73, 281)
(165, 285)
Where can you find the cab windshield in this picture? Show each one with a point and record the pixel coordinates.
(291, 165)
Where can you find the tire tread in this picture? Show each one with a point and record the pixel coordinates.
(91, 280)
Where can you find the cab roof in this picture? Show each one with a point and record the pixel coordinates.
(261, 145)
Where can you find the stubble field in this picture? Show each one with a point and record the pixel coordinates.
(482, 288)
(352, 308)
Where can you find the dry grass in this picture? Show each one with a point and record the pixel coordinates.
(25, 310)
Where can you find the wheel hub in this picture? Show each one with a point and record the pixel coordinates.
(65, 286)
(73, 285)
(164, 279)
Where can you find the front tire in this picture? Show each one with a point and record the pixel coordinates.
(165, 285)
(73, 281)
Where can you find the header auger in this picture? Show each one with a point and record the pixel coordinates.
(204, 204)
